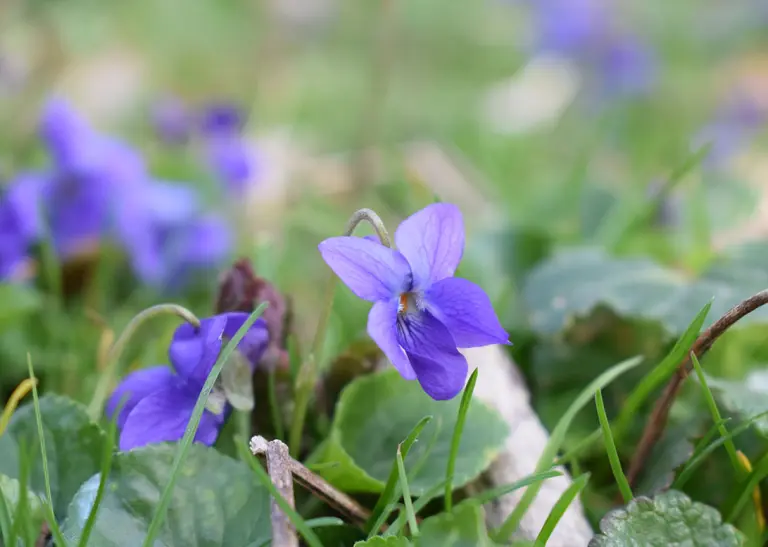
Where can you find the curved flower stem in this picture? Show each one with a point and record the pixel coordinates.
(107, 378)
(658, 419)
(307, 376)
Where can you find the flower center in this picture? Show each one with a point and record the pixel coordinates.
(409, 302)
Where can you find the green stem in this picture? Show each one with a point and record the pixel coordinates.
(106, 380)
(307, 377)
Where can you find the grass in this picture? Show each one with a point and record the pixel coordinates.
(52, 522)
(403, 478)
(466, 399)
(610, 448)
(558, 510)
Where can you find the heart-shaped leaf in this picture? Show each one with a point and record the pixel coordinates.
(670, 518)
(376, 412)
(463, 527)
(73, 445)
(574, 282)
(216, 501)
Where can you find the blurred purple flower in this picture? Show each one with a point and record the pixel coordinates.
(227, 153)
(167, 236)
(585, 31)
(172, 120)
(735, 124)
(421, 313)
(90, 177)
(19, 222)
(220, 129)
(157, 403)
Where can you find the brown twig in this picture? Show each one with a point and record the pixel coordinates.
(658, 419)
(279, 469)
(315, 484)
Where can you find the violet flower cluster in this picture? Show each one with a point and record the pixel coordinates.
(421, 313)
(586, 31)
(218, 128)
(97, 188)
(155, 404)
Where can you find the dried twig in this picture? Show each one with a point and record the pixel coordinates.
(315, 484)
(279, 469)
(658, 419)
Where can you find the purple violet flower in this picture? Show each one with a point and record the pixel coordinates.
(421, 313)
(226, 151)
(586, 31)
(167, 235)
(90, 177)
(19, 223)
(172, 120)
(158, 402)
(735, 124)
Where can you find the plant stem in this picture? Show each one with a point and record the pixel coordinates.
(110, 373)
(658, 419)
(307, 376)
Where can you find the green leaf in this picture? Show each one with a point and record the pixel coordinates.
(464, 527)
(73, 443)
(379, 541)
(670, 518)
(376, 412)
(748, 397)
(16, 302)
(216, 501)
(574, 282)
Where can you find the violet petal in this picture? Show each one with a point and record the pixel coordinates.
(432, 240)
(371, 270)
(466, 312)
(382, 328)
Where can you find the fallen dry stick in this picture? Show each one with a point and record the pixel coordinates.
(345, 505)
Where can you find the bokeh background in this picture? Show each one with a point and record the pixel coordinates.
(550, 122)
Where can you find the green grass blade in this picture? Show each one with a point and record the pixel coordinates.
(748, 487)
(49, 499)
(387, 496)
(299, 523)
(194, 422)
(418, 505)
(659, 375)
(274, 407)
(584, 444)
(698, 458)
(410, 513)
(730, 448)
(322, 522)
(466, 398)
(707, 438)
(106, 467)
(556, 440)
(610, 448)
(559, 510)
(495, 493)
